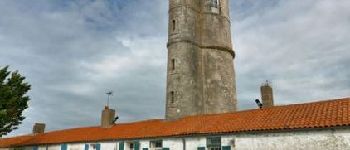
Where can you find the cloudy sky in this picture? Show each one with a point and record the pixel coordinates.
(73, 51)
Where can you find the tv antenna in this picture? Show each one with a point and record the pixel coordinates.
(109, 94)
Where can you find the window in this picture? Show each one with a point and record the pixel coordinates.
(131, 145)
(174, 25)
(214, 143)
(215, 3)
(95, 146)
(156, 145)
(172, 64)
(172, 97)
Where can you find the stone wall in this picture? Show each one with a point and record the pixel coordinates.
(201, 77)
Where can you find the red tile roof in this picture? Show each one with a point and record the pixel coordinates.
(324, 114)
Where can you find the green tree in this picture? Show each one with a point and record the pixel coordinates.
(13, 100)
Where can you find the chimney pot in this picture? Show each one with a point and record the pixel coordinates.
(267, 95)
(107, 117)
(39, 128)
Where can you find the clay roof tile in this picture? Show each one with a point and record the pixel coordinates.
(323, 114)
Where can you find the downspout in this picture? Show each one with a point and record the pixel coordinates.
(183, 143)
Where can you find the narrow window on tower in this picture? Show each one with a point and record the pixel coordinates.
(172, 97)
(215, 3)
(174, 25)
(172, 64)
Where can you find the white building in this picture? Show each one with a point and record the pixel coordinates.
(311, 126)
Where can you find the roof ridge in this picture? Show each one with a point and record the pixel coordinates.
(273, 107)
(75, 128)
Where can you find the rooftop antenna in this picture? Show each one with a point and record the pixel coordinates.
(109, 94)
(267, 82)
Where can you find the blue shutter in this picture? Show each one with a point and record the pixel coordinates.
(63, 146)
(226, 148)
(201, 148)
(121, 145)
(98, 146)
(145, 149)
(86, 146)
(166, 148)
(136, 145)
(35, 148)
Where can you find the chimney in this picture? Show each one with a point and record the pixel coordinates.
(39, 128)
(107, 117)
(266, 95)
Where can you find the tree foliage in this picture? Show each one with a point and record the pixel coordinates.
(13, 100)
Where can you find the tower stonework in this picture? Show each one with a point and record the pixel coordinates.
(200, 76)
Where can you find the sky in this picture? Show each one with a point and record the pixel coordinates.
(73, 51)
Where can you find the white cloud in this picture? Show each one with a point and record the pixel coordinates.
(302, 46)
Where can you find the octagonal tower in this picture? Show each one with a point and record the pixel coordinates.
(200, 77)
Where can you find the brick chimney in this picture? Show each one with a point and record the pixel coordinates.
(107, 117)
(266, 95)
(39, 128)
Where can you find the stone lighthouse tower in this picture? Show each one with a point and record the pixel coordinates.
(200, 77)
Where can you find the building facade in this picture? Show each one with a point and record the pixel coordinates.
(329, 139)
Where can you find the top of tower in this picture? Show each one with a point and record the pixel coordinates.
(267, 83)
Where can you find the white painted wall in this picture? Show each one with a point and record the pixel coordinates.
(303, 140)
(109, 146)
(309, 140)
(194, 143)
(54, 147)
(144, 144)
(76, 146)
(127, 145)
(42, 147)
(173, 143)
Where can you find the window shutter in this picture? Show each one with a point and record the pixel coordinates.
(121, 145)
(145, 149)
(86, 146)
(166, 148)
(63, 146)
(98, 146)
(226, 148)
(35, 148)
(136, 145)
(201, 148)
